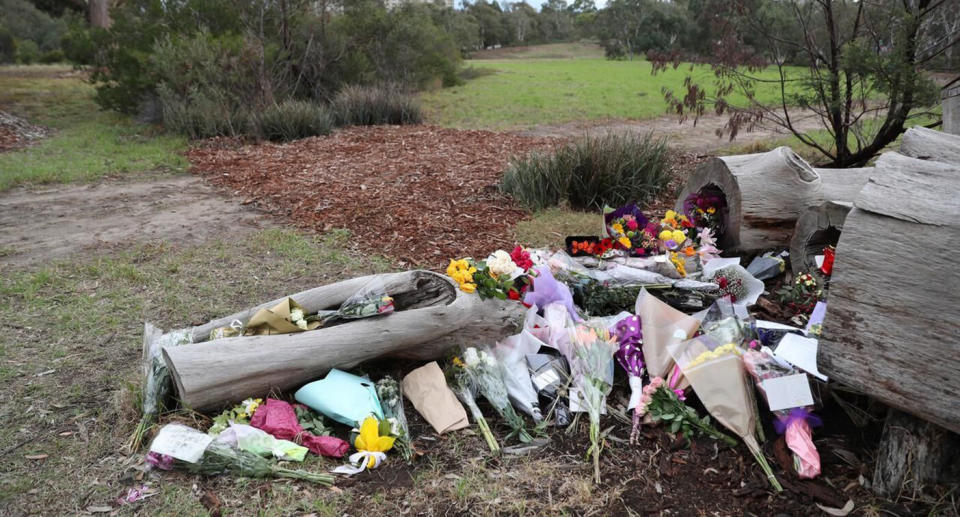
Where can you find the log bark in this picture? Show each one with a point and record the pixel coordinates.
(892, 326)
(100, 13)
(216, 373)
(767, 192)
(816, 229)
(929, 144)
(912, 455)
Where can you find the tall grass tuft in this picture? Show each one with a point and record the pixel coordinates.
(372, 105)
(293, 119)
(612, 169)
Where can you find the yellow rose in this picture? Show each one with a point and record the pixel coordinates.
(617, 227)
(468, 288)
(625, 242)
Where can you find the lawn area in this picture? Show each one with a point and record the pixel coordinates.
(524, 92)
(87, 143)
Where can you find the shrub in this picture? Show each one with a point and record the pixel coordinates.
(8, 47)
(27, 52)
(294, 119)
(588, 173)
(371, 105)
(198, 115)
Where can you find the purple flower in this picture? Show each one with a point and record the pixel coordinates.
(160, 461)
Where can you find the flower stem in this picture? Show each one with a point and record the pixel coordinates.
(487, 435)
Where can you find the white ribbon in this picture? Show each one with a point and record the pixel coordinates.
(636, 391)
(358, 462)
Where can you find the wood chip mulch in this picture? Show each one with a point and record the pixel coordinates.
(420, 194)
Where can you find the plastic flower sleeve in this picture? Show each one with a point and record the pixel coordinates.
(511, 353)
(550, 375)
(251, 439)
(721, 322)
(370, 300)
(157, 383)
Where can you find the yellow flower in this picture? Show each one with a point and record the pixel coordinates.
(625, 242)
(458, 363)
(468, 288)
(666, 235)
(370, 440)
(679, 237)
(678, 263)
(682, 218)
(617, 227)
(729, 348)
(670, 214)
(711, 210)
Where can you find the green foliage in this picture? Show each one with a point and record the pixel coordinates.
(78, 44)
(27, 52)
(627, 28)
(371, 105)
(198, 114)
(590, 172)
(292, 119)
(27, 23)
(8, 46)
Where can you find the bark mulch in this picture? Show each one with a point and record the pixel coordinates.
(420, 194)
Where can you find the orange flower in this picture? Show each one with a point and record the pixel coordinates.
(689, 251)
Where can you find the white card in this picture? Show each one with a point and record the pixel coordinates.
(801, 352)
(545, 378)
(181, 442)
(787, 392)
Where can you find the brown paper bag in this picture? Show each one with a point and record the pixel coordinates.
(276, 320)
(427, 388)
(659, 322)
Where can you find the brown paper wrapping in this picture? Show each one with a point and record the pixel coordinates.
(427, 388)
(659, 322)
(276, 320)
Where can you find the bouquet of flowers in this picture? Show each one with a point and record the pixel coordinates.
(371, 300)
(590, 353)
(220, 458)
(705, 209)
(391, 400)
(663, 404)
(239, 414)
(502, 275)
(801, 296)
(625, 226)
(717, 376)
(794, 423)
(372, 441)
(589, 246)
(485, 372)
(157, 382)
(630, 356)
(466, 389)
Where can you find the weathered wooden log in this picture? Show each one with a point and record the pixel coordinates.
(914, 454)
(215, 373)
(892, 329)
(928, 144)
(816, 229)
(766, 193)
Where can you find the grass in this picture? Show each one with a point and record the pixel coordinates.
(528, 91)
(87, 144)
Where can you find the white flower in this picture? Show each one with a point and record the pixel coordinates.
(501, 264)
(249, 406)
(394, 426)
(470, 357)
(296, 314)
(302, 324)
(487, 359)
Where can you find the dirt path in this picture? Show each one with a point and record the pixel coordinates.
(700, 138)
(48, 223)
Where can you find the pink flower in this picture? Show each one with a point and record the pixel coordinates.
(632, 224)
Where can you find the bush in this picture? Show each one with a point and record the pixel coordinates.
(8, 47)
(372, 105)
(291, 120)
(52, 56)
(198, 115)
(590, 173)
(27, 52)
(27, 23)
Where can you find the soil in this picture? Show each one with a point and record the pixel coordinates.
(48, 223)
(699, 138)
(419, 194)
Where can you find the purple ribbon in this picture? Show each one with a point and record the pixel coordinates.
(630, 353)
(796, 415)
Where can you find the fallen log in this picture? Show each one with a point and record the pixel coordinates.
(431, 316)
(892, 325)
(765, 194)
(912, 455)
(928, 144)
(816, 229)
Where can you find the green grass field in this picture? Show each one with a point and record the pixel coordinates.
(86, 143)
(524, 92)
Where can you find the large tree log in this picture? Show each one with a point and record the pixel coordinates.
(914, 454)
(766, 193)
(928, 144)
(816, 229)
(892, 325)
(215, 373)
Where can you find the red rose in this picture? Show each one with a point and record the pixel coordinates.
(521, 258)
(513, 294)
(722, 282)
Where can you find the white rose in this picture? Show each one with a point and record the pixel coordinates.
(470, 357)
(302, 324)
(501, 264)
(296, 314)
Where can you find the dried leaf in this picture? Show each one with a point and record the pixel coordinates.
(838, 512)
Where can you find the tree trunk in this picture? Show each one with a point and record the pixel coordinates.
(912, 455)
(100, 13)
(432, 315)
(891, 327)
(816, 229)
(767, 192)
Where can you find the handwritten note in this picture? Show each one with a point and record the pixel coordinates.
(788, 392)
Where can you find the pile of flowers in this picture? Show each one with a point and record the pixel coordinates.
(502, 275)
(803, 294)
